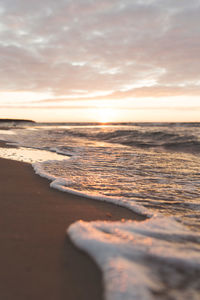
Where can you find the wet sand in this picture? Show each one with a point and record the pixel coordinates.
(37, 259)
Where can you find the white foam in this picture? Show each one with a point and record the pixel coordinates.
(39, 171)
(58, 151)
(141, 259)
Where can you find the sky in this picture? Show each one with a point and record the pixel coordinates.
(100, 60)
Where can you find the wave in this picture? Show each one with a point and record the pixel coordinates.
(177, 139)
(63, 185)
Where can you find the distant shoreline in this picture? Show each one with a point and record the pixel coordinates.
(16, 121)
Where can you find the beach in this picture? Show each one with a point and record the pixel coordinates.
(38, 260)
(71, 199)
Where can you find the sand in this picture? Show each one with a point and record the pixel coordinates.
(37, 259)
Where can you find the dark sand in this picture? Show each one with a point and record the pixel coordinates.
(37, 259)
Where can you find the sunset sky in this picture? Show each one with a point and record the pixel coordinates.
(100, 60)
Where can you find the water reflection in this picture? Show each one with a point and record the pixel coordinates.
(29, 155)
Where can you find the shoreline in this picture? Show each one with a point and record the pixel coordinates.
(38, 260)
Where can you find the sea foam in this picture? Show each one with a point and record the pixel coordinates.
(141, 260)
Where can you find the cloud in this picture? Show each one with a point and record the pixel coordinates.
(142, 92)
(128, 49)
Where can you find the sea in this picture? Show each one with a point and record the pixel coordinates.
(150, 168)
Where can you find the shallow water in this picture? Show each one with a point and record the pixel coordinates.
(30, 155)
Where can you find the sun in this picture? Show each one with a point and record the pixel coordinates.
(106, 115)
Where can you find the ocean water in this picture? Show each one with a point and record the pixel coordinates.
(151, 168)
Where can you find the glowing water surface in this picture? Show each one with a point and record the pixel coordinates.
(29, 155)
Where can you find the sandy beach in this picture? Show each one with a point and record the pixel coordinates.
(37, 259)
